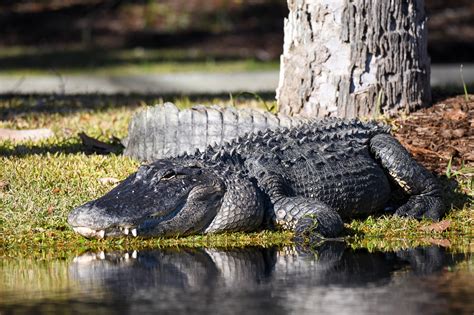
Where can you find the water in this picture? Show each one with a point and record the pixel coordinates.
(330, 279)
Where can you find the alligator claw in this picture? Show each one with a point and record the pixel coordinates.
(422, 207)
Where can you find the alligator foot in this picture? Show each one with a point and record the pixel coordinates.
(422, 207)
(424, 190)
(310, 219)
(315, 226)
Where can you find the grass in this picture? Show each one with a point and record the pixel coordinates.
(41, 182)
(466, 94)
(19, 61)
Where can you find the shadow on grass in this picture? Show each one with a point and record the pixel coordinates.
(23, 150)
(18, 104)
(452, 196)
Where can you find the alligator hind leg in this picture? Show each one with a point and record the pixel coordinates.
(424, 190)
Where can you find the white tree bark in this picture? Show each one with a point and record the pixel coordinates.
(341, 56)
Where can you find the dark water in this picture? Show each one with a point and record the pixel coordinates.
(330, 279)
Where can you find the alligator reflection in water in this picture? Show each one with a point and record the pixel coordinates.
(255, 280)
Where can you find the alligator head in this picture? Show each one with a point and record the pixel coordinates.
(160, 199)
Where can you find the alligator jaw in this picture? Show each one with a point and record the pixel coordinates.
(90, 233)
(100, 234)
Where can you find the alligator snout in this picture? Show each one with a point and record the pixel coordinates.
(87, 215)
(91, 221)
(85, 221)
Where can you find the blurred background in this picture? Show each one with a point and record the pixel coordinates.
(110, 37)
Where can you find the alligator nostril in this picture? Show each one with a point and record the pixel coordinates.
(72, 217)
(78, 216)
(88, 215)
(94, 217)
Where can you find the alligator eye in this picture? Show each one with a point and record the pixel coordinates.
(168, 175)
(142, 171)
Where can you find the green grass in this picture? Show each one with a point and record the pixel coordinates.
(41, 182)
(22, 61)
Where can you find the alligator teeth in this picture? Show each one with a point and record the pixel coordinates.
(102, 255)
(134, 254)
(125, 231)
(101, 234)
(87, 232)
(126, 256)
(134, 232)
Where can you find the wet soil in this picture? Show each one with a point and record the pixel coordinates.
(439, 134)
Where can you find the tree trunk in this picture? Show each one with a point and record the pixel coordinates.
(347, 58)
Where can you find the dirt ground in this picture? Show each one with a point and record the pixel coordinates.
(440, 133)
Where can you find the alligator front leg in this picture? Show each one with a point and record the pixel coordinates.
(309, 218)
(422, 187)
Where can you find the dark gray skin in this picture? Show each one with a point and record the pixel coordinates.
(307, 179)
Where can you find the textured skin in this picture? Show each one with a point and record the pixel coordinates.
(424, 191)
(307, 179)
(165, 131)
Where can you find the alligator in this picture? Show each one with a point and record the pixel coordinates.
(307, 178)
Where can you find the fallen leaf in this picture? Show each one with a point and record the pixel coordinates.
(27, 134)
(469, 156)
(56, 190)
(100, 147)
(437, 227)
(455, 114)
(50, 210)
(85, 117)
(459, 133)
(3, 185)
(446, 133)
(108, 180)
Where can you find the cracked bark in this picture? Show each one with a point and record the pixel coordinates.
(339, 56)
